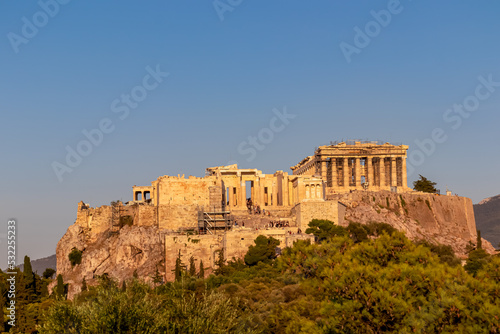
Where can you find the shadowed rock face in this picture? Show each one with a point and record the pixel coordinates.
(448, 220)
(119, 255)
(487, 213)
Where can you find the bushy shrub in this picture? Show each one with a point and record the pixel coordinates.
(75, 257)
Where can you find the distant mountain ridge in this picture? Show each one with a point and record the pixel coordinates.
(38, 266)
(487, 214)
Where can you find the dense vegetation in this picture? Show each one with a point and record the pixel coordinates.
(360, 279)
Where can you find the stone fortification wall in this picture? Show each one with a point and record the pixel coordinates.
(206, 247)
(178, 217)
(98, 220)
(309, 210)
(172, 190)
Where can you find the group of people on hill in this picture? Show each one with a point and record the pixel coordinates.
(255, 209)
(277, 223)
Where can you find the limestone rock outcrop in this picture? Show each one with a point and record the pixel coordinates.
(448, 220)
(117, 254)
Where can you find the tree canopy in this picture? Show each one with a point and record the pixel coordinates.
(425, 185)
(359, 279)
(263, 251)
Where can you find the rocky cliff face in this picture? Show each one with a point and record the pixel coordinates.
(117, 254)
(447, 220)
(487, 214)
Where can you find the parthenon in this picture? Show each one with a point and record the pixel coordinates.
(357, 165)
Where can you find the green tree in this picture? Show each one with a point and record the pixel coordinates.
(358, 232)
(476, 260)
(84, 285)
(141, 309)
(48, 273)
(75, 257)
(425, 185)
(201, 272)
(192, 267)
(444, 252)
(29, 280)
(60, 286)
(264, 250)
(220, 263)
(157, 278)
(323, 229)
(479, 240)
(178, 267)
(28, 271)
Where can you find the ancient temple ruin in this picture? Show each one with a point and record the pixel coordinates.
(357, 165)
(207, 203)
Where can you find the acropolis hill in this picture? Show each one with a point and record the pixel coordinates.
(229, 207)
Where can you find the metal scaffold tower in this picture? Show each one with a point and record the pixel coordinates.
(115, 217)
(212, 221)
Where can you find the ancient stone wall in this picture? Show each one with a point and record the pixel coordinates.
(94, 220)
(98, 219)
(181, 191)
(309, 210)
(206, 247)
(178, 217)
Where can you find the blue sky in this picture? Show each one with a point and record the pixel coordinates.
(228, 71)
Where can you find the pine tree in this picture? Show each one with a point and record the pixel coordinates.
(220, 263)
(29, 279)
(157, 278)
(264, 250)
(425, 185)
(60, 286)
(84, 285)
(124, 286)
(48, 273)
(192, 267)
(28, 271)
(178, 267)
(201, 273)
(479, 241)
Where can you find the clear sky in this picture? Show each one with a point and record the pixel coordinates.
(378, 70)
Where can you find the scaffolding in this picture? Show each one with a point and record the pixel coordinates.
(214, 221)
(115, 217)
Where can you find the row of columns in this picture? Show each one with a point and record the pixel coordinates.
(386, 176)
(238, 195)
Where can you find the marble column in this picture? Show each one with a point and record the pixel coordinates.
(370, 178)
(357, 171)
(333, 167)
(405, 176)
(394, 173)
(243, 194)
(323, 169)
(382, 172)
(284, 189)
(347, 173)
